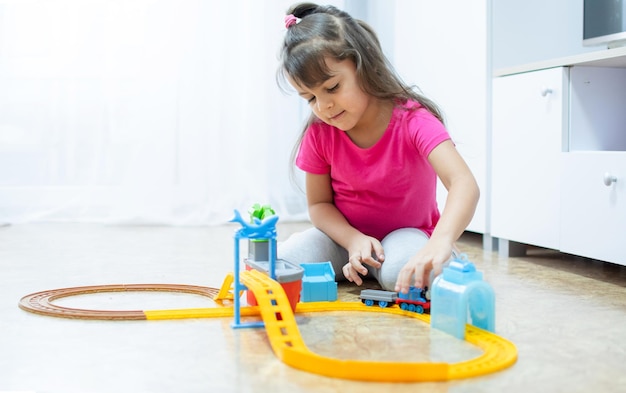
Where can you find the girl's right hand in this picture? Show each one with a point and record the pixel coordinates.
(364, 250)
(416, 272)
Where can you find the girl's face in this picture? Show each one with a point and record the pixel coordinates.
(338, 101)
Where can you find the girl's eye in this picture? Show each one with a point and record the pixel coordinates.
(310, 100)
(334, 88)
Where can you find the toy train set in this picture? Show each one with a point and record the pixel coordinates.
(459, 297)
(414, 301)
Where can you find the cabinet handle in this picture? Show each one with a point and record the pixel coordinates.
(545, 91)
(609, 179)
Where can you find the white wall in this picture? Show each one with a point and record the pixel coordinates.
(535, 30)
(158, 111)
(143, 111)
(441, 47)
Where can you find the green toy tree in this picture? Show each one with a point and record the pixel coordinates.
(258, 249)
(260, 211)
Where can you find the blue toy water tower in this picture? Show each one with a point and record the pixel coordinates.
(458, 293)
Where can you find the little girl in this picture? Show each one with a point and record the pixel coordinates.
(372, 151)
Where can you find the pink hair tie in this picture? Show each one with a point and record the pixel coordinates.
(290, 20)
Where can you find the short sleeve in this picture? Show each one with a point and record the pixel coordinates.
(427, 132)
(312, 157)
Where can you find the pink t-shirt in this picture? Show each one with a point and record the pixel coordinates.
(388, 186)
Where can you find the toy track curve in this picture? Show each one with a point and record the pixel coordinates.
(41, 302)
(289, 347)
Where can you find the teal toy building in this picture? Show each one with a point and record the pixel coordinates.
(460, 293)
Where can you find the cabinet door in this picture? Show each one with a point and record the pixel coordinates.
(593, 203)
(527, 134)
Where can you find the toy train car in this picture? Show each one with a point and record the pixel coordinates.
(414, 301)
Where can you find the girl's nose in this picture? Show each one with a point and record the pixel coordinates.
(324, 104)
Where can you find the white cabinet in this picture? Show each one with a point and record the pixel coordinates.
(593, 205)
(559, 156)
(527, 139)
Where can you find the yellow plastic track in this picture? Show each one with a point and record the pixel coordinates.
(289, 347)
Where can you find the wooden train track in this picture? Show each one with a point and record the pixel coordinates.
(42, 302)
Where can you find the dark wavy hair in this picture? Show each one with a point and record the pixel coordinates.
(325, 31)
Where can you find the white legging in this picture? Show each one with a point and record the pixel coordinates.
(313, 245)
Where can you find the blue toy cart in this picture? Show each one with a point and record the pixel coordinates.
(318, 282)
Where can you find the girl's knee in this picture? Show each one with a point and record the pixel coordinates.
(400, 245)
(312, 246)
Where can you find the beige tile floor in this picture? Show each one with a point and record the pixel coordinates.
(566, 315)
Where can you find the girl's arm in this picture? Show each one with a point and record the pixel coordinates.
(327, 218)
(463, 194)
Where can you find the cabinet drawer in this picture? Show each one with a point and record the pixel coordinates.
(593, 214)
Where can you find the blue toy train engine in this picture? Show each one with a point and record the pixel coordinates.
(414, 301)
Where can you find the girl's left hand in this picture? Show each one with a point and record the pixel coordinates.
(363, 250)
(430, 258)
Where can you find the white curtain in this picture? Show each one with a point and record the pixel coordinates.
(144, 111)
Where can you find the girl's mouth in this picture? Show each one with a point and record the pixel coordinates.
(337, 116)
